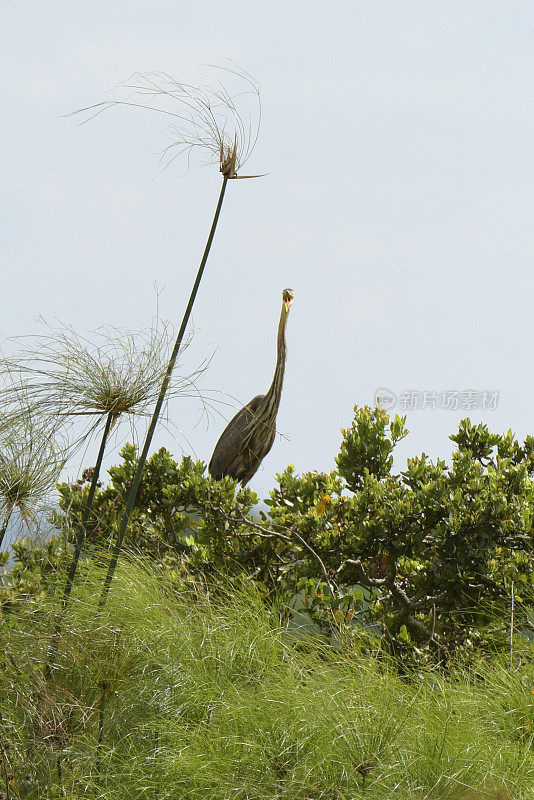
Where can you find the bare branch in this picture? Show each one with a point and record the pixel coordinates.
(267, 534)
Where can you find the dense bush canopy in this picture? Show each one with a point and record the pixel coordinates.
(424, 562)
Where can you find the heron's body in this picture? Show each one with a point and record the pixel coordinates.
(249, 435)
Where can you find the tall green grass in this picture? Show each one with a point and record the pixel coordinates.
(169, 694)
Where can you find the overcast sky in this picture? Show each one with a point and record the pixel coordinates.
(397, 138)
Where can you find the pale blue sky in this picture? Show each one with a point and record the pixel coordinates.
(398, 205)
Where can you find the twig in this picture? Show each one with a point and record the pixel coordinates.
(361, 573)
(407, 606)
(266, 534)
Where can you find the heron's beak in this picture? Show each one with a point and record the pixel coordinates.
(288, 299)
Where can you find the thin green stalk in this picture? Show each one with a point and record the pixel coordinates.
(5, 762)
(86, 514)
(78, 546)
(7, 517)
(101, 715)
(512, 630)
(132, 493)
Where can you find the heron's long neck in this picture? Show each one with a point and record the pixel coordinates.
(272, 398)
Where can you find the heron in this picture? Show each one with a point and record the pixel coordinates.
(249, 435)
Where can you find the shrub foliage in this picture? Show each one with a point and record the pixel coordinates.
(422, 562)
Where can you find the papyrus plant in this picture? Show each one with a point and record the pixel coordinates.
(211, 122)
(32, 455)
(88, 384)
(220, 125)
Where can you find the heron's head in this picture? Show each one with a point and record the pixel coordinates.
(287, 297)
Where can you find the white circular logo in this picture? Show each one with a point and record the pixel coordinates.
(385, 399)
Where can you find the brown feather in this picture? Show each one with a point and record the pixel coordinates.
(249, 435)
(241, 449)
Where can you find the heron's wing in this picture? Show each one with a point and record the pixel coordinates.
(254, 453)
(233, 442)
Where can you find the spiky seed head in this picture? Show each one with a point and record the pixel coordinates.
(215, 121)
(67, 377)
(32, 455)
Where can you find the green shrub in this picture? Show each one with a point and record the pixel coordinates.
(422, 563)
